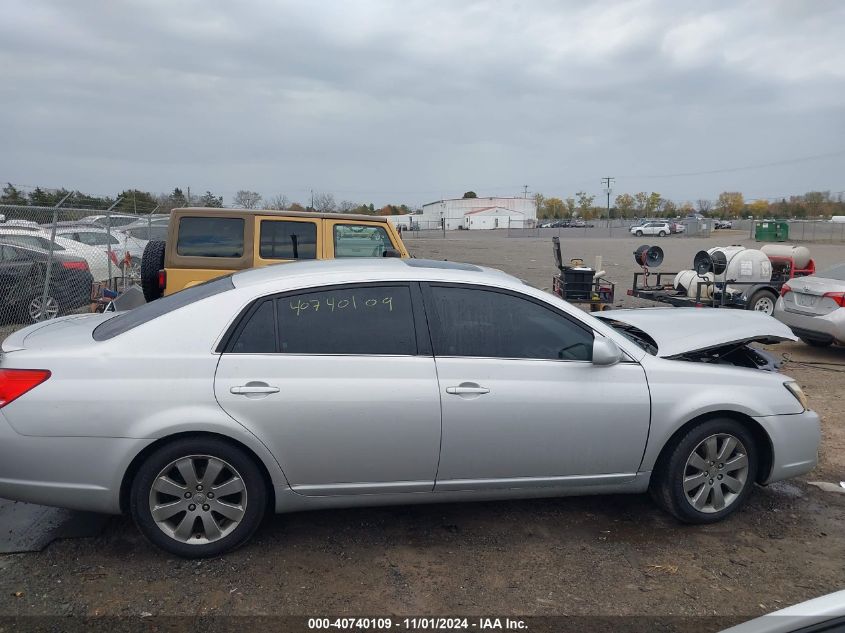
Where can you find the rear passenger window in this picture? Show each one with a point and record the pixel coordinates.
(258, 335)
(281, 239)
(210, 237)
(360, 240)
(363, 320)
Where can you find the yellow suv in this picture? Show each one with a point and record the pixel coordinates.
(206, 243)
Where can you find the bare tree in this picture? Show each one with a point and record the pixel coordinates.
(247, 199)
(277, 202)
(324, 203)
(346, 206)
(703, 206)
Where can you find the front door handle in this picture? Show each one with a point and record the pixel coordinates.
(254, 388)
(467, 388)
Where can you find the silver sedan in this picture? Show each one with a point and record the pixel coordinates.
(814, 307)
(351, 383)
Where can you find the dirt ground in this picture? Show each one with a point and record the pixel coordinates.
(615, 555)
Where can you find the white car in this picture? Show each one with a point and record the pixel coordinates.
(121, 244)
(114, 220)
(660, 229)
(96, 256)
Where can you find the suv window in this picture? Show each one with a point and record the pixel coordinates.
(360, 240)
(489, 324)
(210, 237)
(356, 320)
(282, 239)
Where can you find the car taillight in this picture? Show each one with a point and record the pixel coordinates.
(113, 258)
(75, 265)
(162, 279)
(838, 297)
(784, 290)
(16, 382)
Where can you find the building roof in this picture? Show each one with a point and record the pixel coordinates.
(478, 198)
(488, 209)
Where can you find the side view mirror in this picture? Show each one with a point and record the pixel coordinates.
(391, 252)
(605, 351)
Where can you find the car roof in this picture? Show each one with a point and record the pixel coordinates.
(352, 270)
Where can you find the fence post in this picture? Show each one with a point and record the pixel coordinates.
(49, 272)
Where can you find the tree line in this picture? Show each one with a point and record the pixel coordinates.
(729, 205)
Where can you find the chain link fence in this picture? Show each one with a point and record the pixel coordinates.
(416, 229)
(819, 231)
(616, 227)
(56, 261)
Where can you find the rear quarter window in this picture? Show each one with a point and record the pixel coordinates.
(210, 237)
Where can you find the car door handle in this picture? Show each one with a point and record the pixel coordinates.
(254, 388)
(467, 388)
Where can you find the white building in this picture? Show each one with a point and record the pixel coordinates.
(479, 213)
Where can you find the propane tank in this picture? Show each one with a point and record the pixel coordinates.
(683, 280)
(706, 291)
(799, 254)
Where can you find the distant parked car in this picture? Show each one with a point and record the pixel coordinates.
(114, 220)
(121, 245)
(96, 256)
(723, 224)
(677, 227)
(580, 224)
(814, 307)
(22, 277)
(660, 229)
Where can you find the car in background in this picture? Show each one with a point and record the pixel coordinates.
(814, 307)
(127, 251)
(581, 224)
(113, 220)
(362, 381)
(97, 257)
(661, 229)
(155, 228)
(23, 273)
(677, 227)
(723, 224)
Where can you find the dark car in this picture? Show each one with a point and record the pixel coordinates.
(22, 278)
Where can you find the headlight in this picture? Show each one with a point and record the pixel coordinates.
(795, 389)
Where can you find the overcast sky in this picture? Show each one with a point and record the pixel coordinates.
(414, 100)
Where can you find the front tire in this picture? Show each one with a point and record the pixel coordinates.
(198, 497)
(639, 233)
(708, 473)
(35, 309)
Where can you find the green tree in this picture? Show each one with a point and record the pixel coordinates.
(210, 200)
(178, 199)
(470, 194)
(12, 195)
(730, 204)
(135, 200)
(585, 204)
(553, 208)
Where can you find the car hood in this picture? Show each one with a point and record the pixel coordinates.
(684, 330)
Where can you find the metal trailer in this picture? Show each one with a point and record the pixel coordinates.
(749, 295)
(597, 292)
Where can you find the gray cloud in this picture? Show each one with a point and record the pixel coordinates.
(409, 101)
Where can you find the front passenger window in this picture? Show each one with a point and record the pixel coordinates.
(488, 324)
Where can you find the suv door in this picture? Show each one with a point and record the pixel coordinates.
(522, 403)
(339, 386)
(351, 238)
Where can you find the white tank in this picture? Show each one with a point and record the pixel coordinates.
(687, 280)
(747, 265)
(683, 280)
(799, 254)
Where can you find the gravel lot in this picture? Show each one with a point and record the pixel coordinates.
(604, 555)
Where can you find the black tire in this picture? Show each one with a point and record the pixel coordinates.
(639, 233)
(816, 343)
(29, 307)
(662, 234)
(152, 262)
(667, 480)
(255, 498)
(763, 299)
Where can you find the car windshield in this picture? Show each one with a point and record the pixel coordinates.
(635, 335)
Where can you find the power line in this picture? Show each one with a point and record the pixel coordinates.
(790, 161)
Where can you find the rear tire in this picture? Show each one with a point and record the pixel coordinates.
(763, 301)
(708, 473)
(662, 234)
(190, 520)
(152, 262)
(35, 311)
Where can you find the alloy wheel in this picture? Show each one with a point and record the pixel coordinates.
(716, 472)
(198, 499)
(40, 310)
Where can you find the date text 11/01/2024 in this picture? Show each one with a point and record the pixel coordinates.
(418, 624)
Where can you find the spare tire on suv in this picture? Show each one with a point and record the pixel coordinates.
(152, 262)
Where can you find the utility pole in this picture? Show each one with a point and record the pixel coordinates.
(524, 191)
(607, 181)
(312, 199)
